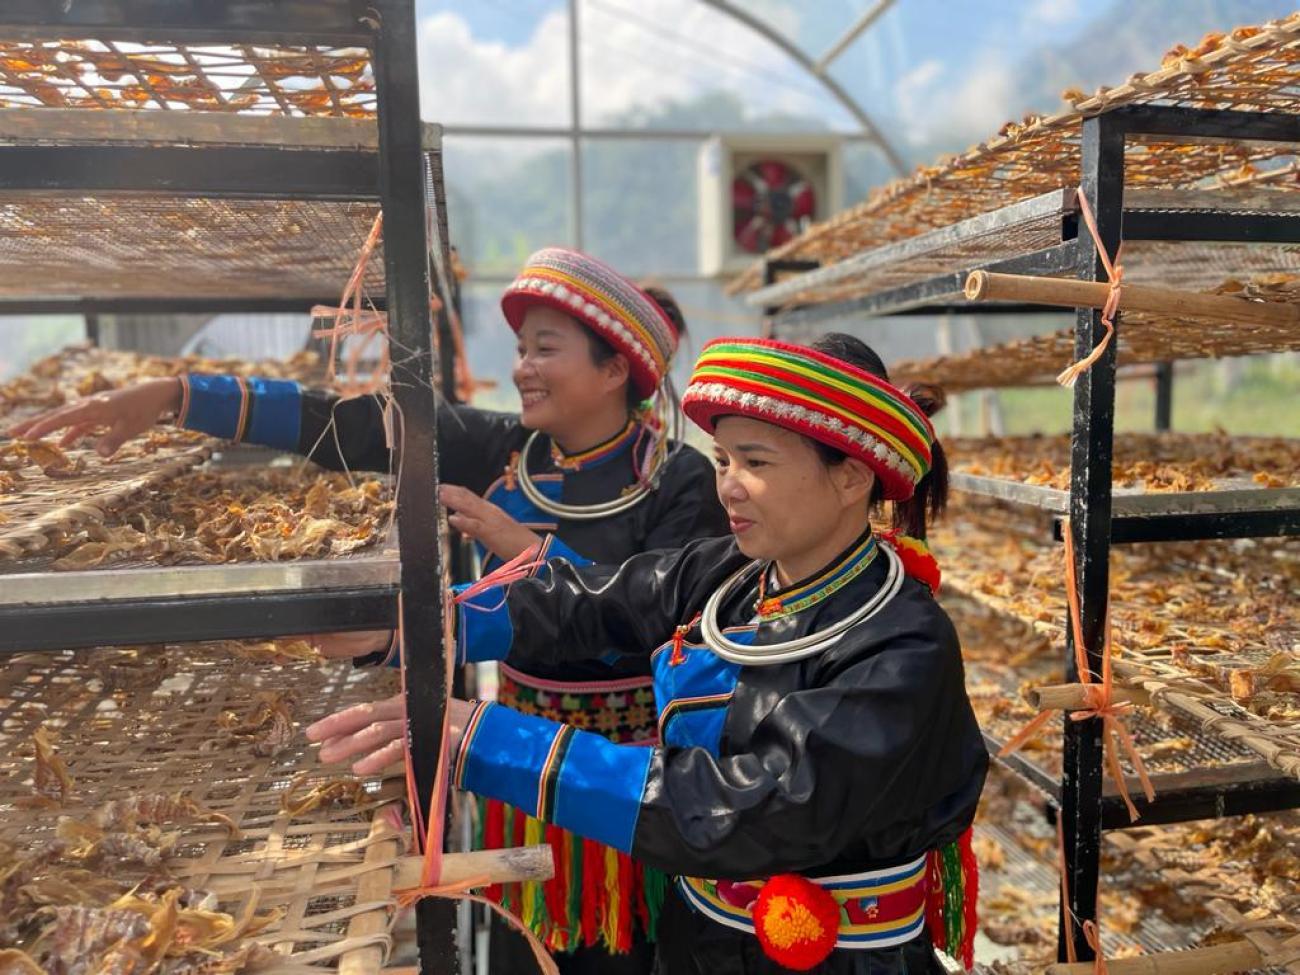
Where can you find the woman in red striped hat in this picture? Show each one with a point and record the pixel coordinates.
(819, 763)
(588, 470)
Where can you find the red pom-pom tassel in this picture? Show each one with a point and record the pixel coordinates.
(796, 921)
(915, 555)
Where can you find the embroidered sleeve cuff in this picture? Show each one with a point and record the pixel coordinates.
(483, 628)
(577, 780)
(262, 411)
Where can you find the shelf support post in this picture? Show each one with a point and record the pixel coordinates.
(406, 266)
(1090, 511)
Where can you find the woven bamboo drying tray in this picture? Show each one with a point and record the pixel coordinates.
(1250, 69)
(1142, 338)
(39, 510)
(260, 80)
(1244, 871)
(1035, 225)
(1163, 888)
(82, 370)
(1208, 629)
(140, 722)
(210, 517)
(1006, 661)
(50, 499)
(1020, 889)
(124, 246)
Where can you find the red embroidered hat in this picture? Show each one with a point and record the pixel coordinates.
(605, 301)
(815, 394)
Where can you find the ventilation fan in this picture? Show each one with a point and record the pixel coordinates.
(771, 202)
(759, 191)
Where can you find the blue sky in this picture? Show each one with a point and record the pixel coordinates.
(937, 71)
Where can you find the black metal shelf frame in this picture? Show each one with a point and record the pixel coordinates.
(1229, 510)
(1097, 518)
(396, 177)
(1235, 790)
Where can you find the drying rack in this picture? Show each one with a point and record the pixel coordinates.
(199, 157)
(1143, 166)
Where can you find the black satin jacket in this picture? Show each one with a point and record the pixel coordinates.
(863, 757)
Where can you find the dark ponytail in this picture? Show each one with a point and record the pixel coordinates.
(930, 498)
(668, 304)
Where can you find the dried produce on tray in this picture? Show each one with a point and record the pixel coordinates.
(1214, 621)
(1140, 910)
(1248, 69)
(1143, 461)
(1005, 659)
(215, 516)
(262, 80)
(1144, 338)
(159, 857)
(49, 493)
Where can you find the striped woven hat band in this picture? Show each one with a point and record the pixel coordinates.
(605, 301)
(819, 396)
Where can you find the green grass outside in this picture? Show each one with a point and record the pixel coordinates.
(1258, 396)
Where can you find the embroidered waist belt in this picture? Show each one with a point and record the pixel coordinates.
(878, 908)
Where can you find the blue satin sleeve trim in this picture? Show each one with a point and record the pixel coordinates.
(483, 628)
(503, 754)
(600, 788)
(558, 550)
(213, 406)
(277, 413)
(575, 779)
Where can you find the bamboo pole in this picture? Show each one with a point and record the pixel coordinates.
(1067, 293)
(373, 886)
(1234, 956)
(493, 866)
(1072, 697)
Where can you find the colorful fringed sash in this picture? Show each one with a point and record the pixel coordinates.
(598, 895)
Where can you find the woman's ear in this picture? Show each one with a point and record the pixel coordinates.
(614, 372)
(853, 480)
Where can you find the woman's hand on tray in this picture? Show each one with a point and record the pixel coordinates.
(341, 646)
(126, 413)
(373, 734)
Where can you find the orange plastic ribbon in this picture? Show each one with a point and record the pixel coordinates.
(361, 322)
(522, 566)
(369, 325)
(1091, 932)
(1098, 697)
(1115, 277)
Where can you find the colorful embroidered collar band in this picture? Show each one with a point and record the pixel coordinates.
(819, 396)
(599, 454)
(808, 593)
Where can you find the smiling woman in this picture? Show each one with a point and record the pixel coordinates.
(587, 471)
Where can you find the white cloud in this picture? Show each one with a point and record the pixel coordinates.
(467, 80)
(954, 113)
(1052, 13)
(688, 48)
(916, 90)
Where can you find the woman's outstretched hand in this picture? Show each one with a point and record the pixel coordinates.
(125, 412)
(487, 524)
(376, 731)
